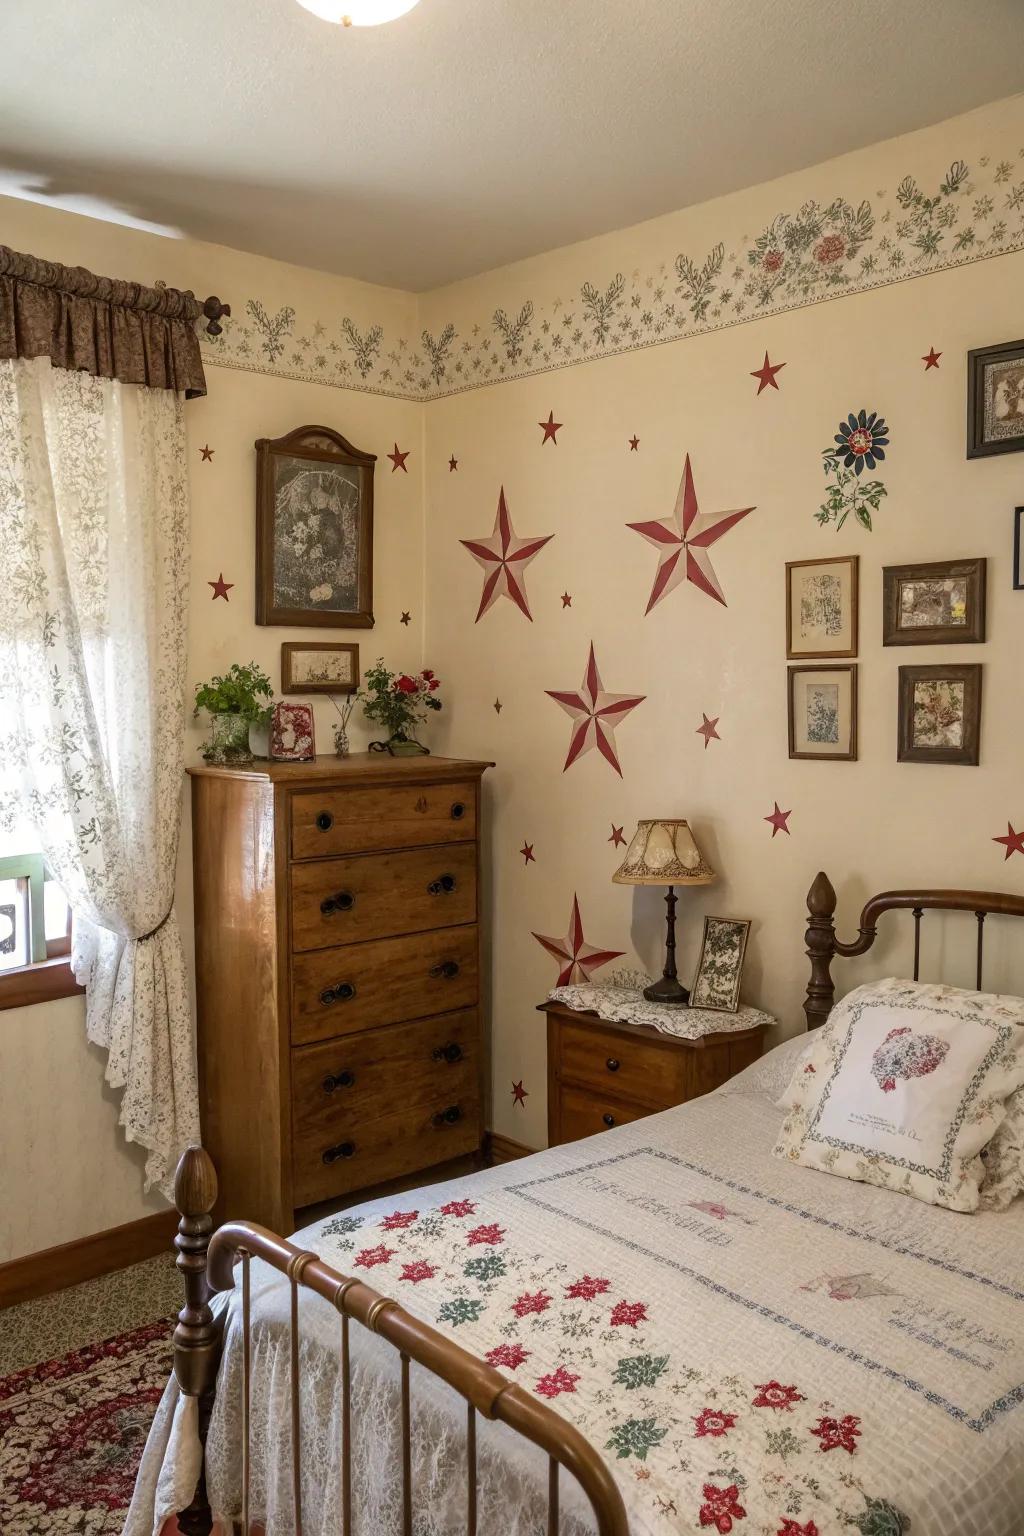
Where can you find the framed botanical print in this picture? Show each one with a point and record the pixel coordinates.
(1018, 549)
(940, 714)
(822, 709)
(939, 603)
(314, 531)
(822, 607)
(995, 399)
(720, 966)
(323, 668)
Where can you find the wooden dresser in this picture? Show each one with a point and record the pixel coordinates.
(337, 972)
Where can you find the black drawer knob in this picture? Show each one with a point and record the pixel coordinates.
(450, 1116)
(343, 1149)
(341, 993)
(458, 811)
(341, 901)
(442, 886)
(446, 969)
(325, 821)
(609, 1120)
(450, 1052)
(339, 1080)
(612, 1063)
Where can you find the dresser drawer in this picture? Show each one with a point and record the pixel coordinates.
(362, 986)
(361, 820)
(584, 1114)
(607, 1062)
(377, 896)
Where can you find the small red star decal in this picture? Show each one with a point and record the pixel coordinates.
(497, 706)
(519, 1094)
(406, 618)
(617, 840)
(527, 852)
(779, 821)
(566, 600)
(398, 459)
(766, 374)
(634, 444)
(453, 464)
(551, 428)
(931, 359)
(708, 731)
(207, 452)
(221, 588)
(1013, 842)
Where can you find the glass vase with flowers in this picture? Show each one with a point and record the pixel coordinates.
(398, 702)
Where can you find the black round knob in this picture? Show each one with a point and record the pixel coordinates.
(451, 1052)
(344, 1149)
(342, 901)
(458, 811)
(325, 821)
(339, 1080)
(449, 1116)
(442, 886)
(446, 968)
(612, 1063)
(609, 1120)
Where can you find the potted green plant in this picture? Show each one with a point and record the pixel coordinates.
(234, 702)
(398, 702)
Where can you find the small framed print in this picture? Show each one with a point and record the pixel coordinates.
(995, 400)
(940, 714)
(292, 737)
(720, 966)
(822, 607)
(1018, 549)
(823, 712)
(312, 668)
(939, 603)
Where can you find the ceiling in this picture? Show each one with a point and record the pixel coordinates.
(469, 133)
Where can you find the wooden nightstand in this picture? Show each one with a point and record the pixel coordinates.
(602, 1074)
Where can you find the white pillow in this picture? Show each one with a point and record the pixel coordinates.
(904, 1086)
(1004, 1158)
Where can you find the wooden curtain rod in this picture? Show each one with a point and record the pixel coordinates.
(175, 303)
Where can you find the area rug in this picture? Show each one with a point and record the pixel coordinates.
(72, 1431)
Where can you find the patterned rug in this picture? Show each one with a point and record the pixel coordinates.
(72, 1431)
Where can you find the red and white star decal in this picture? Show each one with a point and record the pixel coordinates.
(503, 558)
(683, 541)
(576, 957)
(594, 715)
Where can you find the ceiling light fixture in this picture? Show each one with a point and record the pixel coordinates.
(359, 13)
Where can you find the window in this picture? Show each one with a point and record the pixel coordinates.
(35, 926)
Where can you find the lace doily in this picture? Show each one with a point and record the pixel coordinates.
(622, 1002)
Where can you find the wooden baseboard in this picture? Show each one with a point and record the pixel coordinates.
(39, 1274)
(502, 1149)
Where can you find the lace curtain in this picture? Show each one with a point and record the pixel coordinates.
(94, 519)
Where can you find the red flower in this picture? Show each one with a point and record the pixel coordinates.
(492, 1234)
(627, 1314)
(435, 682)
(399, 1219)
(418, 1270)
(771, 1395)
(405, 684)
(459, 1208)
(427, 673)
(559, 1381)
(372, 1256)
(538, 1302)
(791, 1528)
(837, 1434)
(586, 1288)
(831, 248)
(772, 260)
(712, 1421)
(511, 1356)
(720, 1507)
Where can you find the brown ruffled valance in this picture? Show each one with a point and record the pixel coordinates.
(106, 327)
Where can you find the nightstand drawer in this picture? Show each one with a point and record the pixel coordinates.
(362, 820)
(604, 1061)
(374, 896)
(584, 1114)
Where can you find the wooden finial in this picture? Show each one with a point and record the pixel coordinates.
(196, 1337)
(213, 309)
(821, 947)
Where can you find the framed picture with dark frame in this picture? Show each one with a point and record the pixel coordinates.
(312, 667)
(940, 714)
(995, 400)
(941, 602)
(314, 531)
(822, 710)
(720, 965)
(822, 607)
(1018, 549)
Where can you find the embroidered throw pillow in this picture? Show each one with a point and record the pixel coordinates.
(1004, 1158)
(904, 1086)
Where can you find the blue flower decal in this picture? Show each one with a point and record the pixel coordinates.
(861, 439)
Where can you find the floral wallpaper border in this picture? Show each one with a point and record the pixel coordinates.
(822, 251)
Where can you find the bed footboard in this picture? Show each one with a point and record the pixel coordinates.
(208, 1265)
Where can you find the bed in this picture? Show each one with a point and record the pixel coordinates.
(657, 1330)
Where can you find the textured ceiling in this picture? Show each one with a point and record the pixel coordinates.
(471, 132)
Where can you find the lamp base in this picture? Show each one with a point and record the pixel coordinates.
(669, 991)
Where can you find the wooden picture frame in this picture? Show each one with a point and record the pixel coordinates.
(995, 400)
(831, 734)
(1018, 549)
(822, 607)
(941, 602)
(719, 974)
(926, 734)
(300, 672)
(314, 531)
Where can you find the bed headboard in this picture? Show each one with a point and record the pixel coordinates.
(823, 946)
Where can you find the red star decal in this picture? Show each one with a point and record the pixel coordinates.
(617, 840)
(687, 533)
(503, 559)
(221, 588)
(595, 715)
(453, 464)
(519, 1094)
(1013, 842)
(577, 958)
(398, 459)
(566, 600)
(634, 444)
(931, 359)
(766, 374)
(551, 428)
(527, 852)
(406, 618)
(779, 821)
(708, 731)
(207, 452)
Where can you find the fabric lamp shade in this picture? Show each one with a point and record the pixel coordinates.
(663, 852)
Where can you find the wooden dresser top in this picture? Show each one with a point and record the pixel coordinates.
(360, 767)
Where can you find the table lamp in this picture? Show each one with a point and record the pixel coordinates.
(664, 853)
